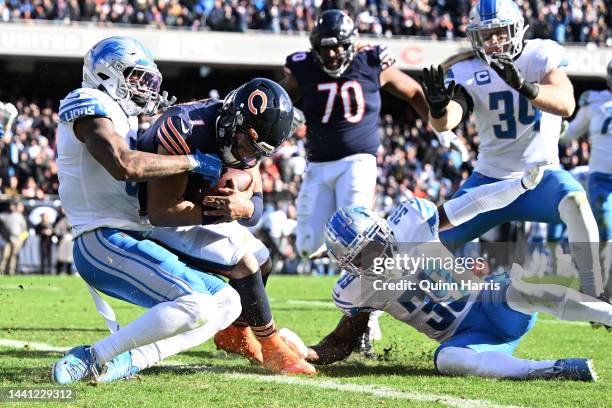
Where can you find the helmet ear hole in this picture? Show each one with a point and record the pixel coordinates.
(103, 76)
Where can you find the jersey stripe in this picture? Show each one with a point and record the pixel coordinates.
(170, 140)
(178, 136)
(163, 141)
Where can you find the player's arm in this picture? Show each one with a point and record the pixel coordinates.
(113, 153)
(291, 86)
(488, 197)
(404, 87)
(232, 204)
(580, 125)
(165, 204)
(553, 94)
(339, 344)
(448, 105)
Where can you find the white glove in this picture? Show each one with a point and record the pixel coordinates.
(563, 133)
(533, 174)
(460, 147)
(8, 110)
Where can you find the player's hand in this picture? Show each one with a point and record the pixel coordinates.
(207, 165)
(330, 349)
(230, 203)
(533, 174)
(165, 102)
(503, 64)
(437, 94)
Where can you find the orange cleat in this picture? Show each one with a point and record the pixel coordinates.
(280, 359)
(239, 340)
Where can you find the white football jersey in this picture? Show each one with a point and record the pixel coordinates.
(512, 132)
(595, 117)
(91, 197)
(436, 313)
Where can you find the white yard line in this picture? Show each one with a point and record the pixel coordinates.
(377, 391)
(31, 345)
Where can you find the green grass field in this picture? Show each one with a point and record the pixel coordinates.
(50, 311)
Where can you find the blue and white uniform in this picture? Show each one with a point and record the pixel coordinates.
(595, 118)
(513, 134)
(481, 321)
(111, 251)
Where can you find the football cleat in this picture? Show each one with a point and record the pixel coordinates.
(78, 364)
(278, 357)
(239, 340)
(118, 368)
(575, 369)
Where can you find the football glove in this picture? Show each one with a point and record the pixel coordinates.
(504, 66)
(437, 94)
(206, 165)
(533, 174)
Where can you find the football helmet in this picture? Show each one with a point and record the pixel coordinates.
(496, 26)
(124, 68)
(332, 29)
(355, 236)
(254, 121)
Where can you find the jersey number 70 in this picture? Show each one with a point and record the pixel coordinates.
(347, 101)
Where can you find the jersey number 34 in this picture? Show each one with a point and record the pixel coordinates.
(504, 101)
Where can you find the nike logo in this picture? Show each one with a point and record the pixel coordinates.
(183, 128)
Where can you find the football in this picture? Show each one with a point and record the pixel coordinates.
(241, 178)
(294, 342)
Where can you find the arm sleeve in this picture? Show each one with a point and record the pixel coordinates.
(485, 198)
(579, 126)
(173, 134)
(257, 200)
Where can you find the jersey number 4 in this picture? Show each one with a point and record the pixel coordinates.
(507, 128)
(351, 114)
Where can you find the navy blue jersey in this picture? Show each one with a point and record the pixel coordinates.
(182, 129)
(342, 113)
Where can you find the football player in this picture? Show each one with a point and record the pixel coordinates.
(595, 118)
(249, 124)
(339, 85)
(98, 171)
(519, 93)
(478, 329)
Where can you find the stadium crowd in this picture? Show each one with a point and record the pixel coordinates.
(411, 163)
(561, 20)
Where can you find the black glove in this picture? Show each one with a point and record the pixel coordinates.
(505, 68)
(438, 96)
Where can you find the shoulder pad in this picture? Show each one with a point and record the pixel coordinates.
(293, 59)
(584, 98)
(84, 102)
(454, 59)
(173, 133)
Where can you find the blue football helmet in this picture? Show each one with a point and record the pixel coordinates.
(355, 236)
(496, 26)
(124, 68)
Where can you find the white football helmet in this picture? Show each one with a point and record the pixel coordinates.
(354, 236)
(502, 18)
(124, 68)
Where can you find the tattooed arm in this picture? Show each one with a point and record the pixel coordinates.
(112, 152)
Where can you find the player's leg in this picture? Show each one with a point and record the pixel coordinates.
(457, 236)
(488, 336)
(315, 204)
(231, 250)
(126, 267)
(600, 199)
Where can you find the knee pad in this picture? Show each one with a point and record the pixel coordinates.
(228, 307)
(198, 307)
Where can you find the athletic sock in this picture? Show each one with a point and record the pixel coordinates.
(255, 305)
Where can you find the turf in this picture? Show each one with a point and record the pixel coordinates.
(59, 311)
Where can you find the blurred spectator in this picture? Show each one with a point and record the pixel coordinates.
(571, 21)
(14, 233)
(44, 231)
(61, 229)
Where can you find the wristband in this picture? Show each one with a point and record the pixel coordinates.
(437, 114)
(529, 90)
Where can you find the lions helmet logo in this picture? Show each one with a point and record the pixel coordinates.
(264, 101)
